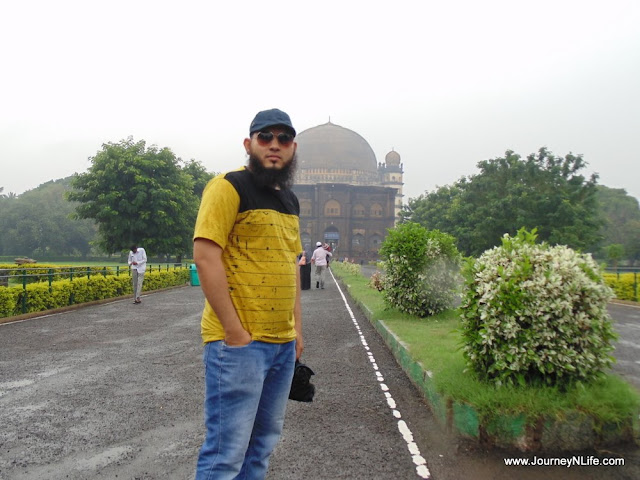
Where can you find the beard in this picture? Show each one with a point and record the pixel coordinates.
(270, 177)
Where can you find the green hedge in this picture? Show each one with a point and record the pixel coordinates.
(81, 290)
(40, 272)
(623, 285)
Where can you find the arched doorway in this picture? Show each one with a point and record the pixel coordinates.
(332, 237)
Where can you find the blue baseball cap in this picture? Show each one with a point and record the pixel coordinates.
(271, 118)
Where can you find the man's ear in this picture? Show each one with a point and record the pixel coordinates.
(247, 145)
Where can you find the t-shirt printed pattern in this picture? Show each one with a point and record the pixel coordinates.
(258, 230)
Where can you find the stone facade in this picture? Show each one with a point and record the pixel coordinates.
(347, 199)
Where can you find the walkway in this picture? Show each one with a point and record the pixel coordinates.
(115, 390)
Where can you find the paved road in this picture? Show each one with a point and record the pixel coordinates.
(627, 353)
(115, 391)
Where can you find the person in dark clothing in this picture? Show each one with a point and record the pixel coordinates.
(304, 262)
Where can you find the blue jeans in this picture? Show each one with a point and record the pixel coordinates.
(246, 392)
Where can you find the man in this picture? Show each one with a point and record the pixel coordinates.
(246, 241)
(138, 263)
(320, 260)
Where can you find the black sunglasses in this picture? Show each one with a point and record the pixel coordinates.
(284, 139)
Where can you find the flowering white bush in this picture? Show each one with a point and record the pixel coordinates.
(421, 270)
(532, 313)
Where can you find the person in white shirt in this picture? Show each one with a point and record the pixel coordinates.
(138, 262)
(319, 259)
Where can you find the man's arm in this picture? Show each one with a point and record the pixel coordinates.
(297, 315)
(213, 280)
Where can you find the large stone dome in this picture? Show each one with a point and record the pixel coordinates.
(331, 153)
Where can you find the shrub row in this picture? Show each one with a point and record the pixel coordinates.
(41, 272)
(624, 285)
(38, 297)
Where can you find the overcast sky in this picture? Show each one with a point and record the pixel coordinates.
(444, 83)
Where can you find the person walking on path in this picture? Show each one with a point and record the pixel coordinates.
(320, 260)
(327, 247)
(246, 241)
(138, 263)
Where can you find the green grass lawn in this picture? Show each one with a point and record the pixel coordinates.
(435, 343)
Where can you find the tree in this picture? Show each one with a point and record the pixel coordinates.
(509, 193)
(441, 210)
(137, 195)
(6, 196)
(621, 218)
(615, 252)
(37, 223)
(199, 174)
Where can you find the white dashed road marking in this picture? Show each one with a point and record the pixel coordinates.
(421, 464)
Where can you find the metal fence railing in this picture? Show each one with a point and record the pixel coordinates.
(622, 269)
(28, 275)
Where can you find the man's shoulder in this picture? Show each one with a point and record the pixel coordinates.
(241, 174)
(240, 179)
(238, 173)
(224, 183)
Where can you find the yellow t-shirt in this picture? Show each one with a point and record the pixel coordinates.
(258, 231)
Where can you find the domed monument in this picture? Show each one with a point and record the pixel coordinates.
(347, 199)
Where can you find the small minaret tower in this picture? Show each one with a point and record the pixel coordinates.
(392, 177)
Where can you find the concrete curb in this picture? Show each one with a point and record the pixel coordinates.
(574, 432)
